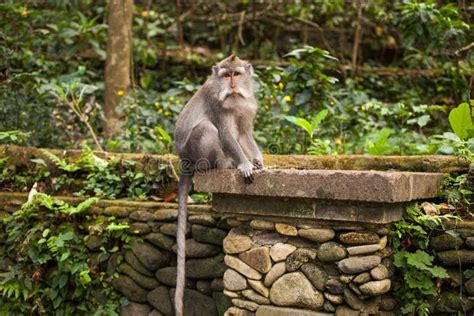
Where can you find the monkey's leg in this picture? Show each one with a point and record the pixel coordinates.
(206, 148)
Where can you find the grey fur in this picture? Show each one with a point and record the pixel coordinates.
(214, 130)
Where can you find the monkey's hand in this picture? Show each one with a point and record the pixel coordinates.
(246, 169)
(257, 163)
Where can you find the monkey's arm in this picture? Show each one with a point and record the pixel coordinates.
(232, 147)
(251, 149)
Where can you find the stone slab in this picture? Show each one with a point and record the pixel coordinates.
(267, 310)
(347, 185)
(298, 208)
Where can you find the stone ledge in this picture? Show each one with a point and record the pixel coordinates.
(429, 163)
(345, 185)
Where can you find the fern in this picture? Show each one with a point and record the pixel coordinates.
(60, 163)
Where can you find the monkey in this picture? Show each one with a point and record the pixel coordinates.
(214, 131)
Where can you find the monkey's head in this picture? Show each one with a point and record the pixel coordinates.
(233, 78)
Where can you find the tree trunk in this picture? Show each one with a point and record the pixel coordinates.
(118, 63)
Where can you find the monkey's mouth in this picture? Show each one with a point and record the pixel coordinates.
(234, 94)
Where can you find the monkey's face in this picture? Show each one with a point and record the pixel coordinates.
(235, 82)
(234, 78)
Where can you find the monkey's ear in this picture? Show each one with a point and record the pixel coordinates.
(249, 68)
(215, 70)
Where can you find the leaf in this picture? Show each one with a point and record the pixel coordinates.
(303, 97)
(460, 120)
(319, 117)
(301, 122)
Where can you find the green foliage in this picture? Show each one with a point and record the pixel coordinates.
(52, 270)
(460, 119)
(418, 274)
(13, 137)
(107, 178)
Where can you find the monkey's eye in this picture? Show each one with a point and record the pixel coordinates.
(236, 74)
(227, 75)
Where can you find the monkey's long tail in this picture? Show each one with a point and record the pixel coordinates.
(184, 186)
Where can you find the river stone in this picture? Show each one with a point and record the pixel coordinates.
(280, 251)
(335, 299)
(204, 286)
(93, 242)
(195, 249)
(299, 257)
(359, 238)
(267, 238)
(248, 305)
(130, 289)
(387, 303)
(376, 287)
(217, 284)
(206, 268)
(331, 251)
(166, 215)
(275, 272)
(196, 304)
(139, 229)
(257, 258)
(362, 250)
(234, 281)
(259, 287)
(455, 257)
(299, 242)
(231, 294)
(160, 240)
(262, 225)
(316, 275)
(234, 243)
(355, 289)
(383, 242)
(446, 242)
(132, 260)
(242, 267)
(142, 216)
(154, 313)
(167, 276)
(235, 311)
(135, 309)
(234, 222)
(255, 297)
(358, 264)
(151, 257)
(362, 278)
(345, 278)
(286, 230)
(208, 235)
(269, 310)
(388, 263)
(344, 310)
(202, 219)
(335, 286)
(170, 229)
(328, 307)
(469, 286)
(144, 281)
(222, 302)
(380, 272)
(470, 242)
(294, 289)
(353, 300)
(160, 299)
(318, 235)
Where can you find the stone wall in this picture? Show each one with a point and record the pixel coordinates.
(146, 270)
(284, 268)
(454, 247)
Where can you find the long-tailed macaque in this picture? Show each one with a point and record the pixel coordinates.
(214, 131)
